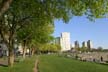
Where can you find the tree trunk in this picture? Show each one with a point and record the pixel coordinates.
(33, 50)
(24, 52)
(5, 6)
(24, 49)
(11, 57)
(11, 52)
(10, 45)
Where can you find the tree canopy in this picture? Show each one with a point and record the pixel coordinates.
(34, 18)
(95, 8)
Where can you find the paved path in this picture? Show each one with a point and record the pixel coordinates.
(35, 69)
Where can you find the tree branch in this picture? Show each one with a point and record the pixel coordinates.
(21, 22)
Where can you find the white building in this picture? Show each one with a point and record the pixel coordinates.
(65, 41)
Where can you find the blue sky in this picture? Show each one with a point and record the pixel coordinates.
(82, 29)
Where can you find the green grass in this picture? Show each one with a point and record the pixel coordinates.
(53, 63)
(22, 66)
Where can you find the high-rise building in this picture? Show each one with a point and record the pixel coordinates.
(84, 44)
(89, 44)
(57, 40)
(65, 41)
(76, 45)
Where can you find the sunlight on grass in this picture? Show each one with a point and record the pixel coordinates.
(51, 63)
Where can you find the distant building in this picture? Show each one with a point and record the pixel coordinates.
(84, 44)
(65, 41)
(76, 44)
(72, 45)
(3, 48)
(57, 40)
(89, 44)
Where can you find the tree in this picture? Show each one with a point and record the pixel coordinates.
(58, 47)
(33, 35)
(48, 47)
(84, 49)
(24, 12)
(99, 49)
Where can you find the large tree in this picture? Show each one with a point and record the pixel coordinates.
(23, 12)
(33, 35)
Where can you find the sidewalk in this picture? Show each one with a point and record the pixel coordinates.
(35, 69)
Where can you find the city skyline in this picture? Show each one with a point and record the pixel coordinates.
(82, 29)
(75, 44)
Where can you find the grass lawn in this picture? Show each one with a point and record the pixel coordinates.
(53, 63)
(22, 66)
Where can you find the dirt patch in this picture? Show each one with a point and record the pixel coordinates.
(35, 69)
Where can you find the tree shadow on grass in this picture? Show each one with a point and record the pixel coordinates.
(4, 65)
(104, 64)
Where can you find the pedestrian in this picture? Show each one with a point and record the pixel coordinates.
(101, 58)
